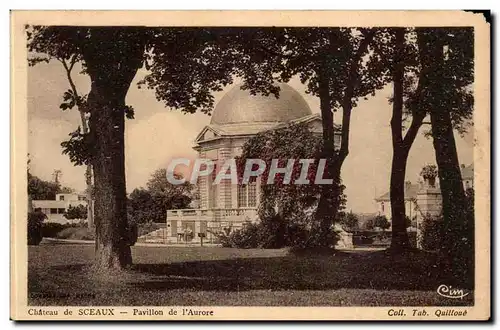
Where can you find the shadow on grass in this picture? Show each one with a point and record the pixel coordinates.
(375, 270)
(416, 271)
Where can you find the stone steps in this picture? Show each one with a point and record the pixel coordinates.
(157, 236)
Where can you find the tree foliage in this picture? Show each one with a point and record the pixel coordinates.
(349, 222)
(78, 212)
(40, 189)
(151, 204)
(381, 222)
(187, 65)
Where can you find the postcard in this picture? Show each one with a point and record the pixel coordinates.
(250, 165)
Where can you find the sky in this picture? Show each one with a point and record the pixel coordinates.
(158, 134)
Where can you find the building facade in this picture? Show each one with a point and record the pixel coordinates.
(55, 209)
(237, 117)
(423, 198)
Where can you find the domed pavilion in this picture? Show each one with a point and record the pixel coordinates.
(237, 117)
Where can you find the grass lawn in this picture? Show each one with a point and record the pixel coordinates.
(167, 276)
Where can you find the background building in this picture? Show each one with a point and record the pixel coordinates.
(54, 209)
(424, 197)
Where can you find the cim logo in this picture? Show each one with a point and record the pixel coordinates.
(448, 292)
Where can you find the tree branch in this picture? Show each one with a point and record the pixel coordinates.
(411, 134)
(398, 81)
(349, 92)
(81, 109)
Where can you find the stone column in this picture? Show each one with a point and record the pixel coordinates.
(203, 186)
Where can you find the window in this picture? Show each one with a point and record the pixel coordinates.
(252, 195)
(82, 198)
(61, 198)
(53, 211)
(247, 195)
(212, 195)
(242, 195)
(228, 199)
(61, 211)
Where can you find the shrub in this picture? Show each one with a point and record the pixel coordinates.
(76, 212)
(276, 234)
(310, 239)
(249, 236)
(381, 222)
(349, 222)
(460, 236)
(51, 229)
(35, 222)
(432, 233)
(77, 232)
(222, 235)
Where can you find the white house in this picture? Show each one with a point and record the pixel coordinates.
(54, 209)
(236, 118)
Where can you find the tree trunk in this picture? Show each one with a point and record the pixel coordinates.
(330, 198)
(107, 127)
(450, 178)
(325, 213)
(399, 241)
(90, 204)
(401, 146)
(112, 56)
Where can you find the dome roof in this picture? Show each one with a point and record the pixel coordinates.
(239, 106)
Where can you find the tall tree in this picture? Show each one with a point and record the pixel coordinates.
(401, 59)
(111, 57)
(449, 100)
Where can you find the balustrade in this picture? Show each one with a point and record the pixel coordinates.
(233, 214)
